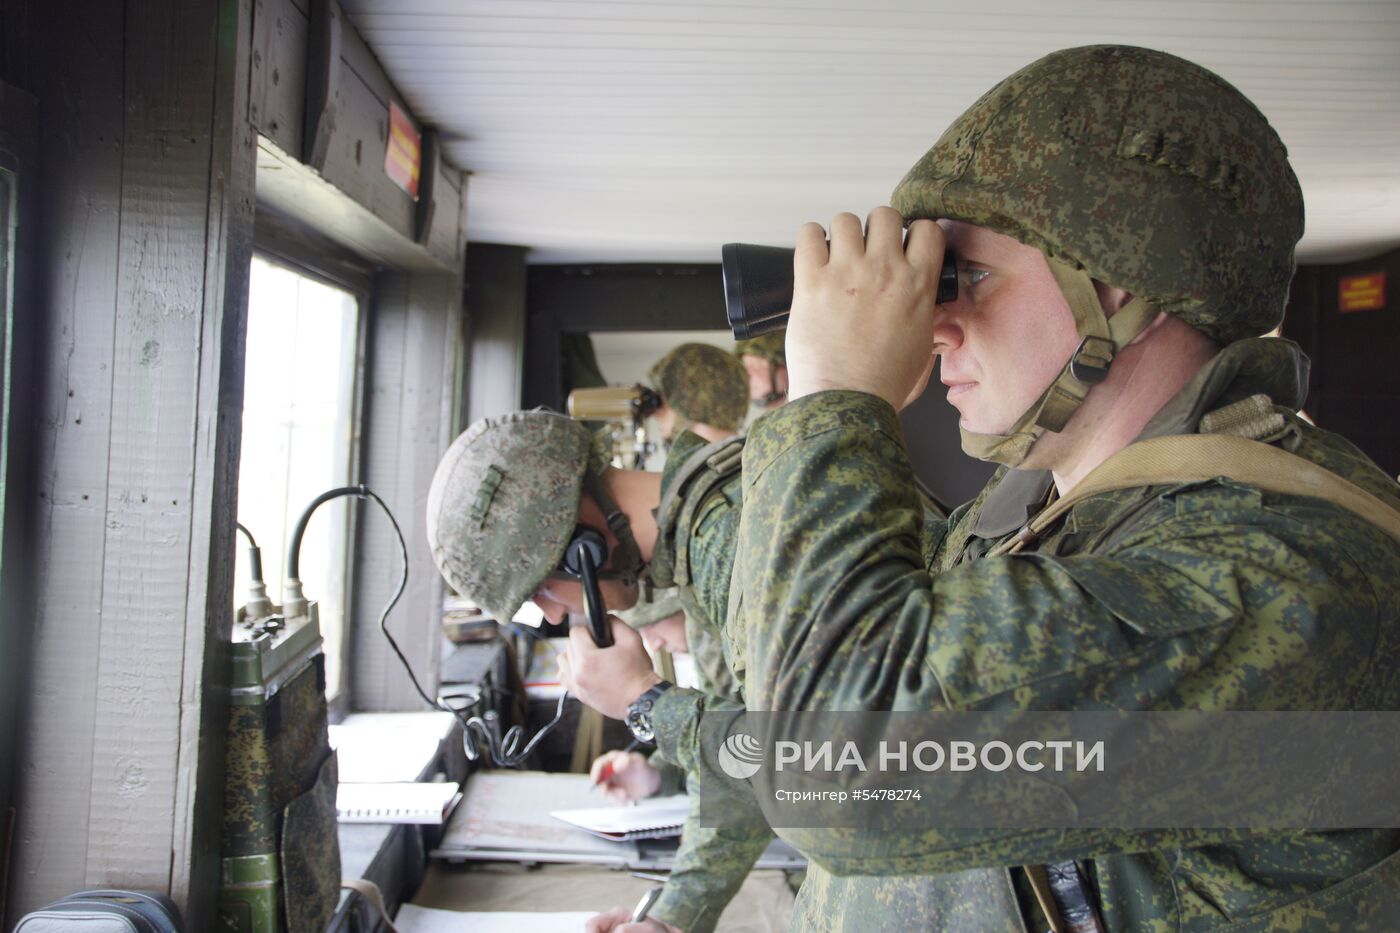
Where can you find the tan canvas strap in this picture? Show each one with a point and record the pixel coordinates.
(1255, 418)
(1044, 897)
(1190, 458)
(371, 893)
(1101, 338)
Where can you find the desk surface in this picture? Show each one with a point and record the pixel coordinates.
(763, 904)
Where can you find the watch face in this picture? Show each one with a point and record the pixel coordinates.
(640, 725)
(639, 713)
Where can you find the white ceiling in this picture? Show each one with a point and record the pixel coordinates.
(655, 131)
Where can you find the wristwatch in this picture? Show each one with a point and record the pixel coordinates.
(639, 712)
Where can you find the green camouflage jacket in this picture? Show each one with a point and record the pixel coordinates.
(696, 551)
(1207, 596)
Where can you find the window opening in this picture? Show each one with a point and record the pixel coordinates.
(299, 431)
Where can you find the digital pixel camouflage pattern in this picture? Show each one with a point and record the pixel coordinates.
(695, 547)
(1150, 172)
(828, 902)
(1210, 596)
(279, 767)
(703, 384)
(503, 504)
(1154, 175)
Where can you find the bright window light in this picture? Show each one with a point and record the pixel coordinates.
(298, 438)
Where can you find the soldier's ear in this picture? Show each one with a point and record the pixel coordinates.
(1111, 297)
(590, 515)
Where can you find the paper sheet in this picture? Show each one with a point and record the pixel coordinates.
(414, 919)
(509, 810)
(652, 818)
(375, 747)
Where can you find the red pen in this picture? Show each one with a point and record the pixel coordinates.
(611, 766)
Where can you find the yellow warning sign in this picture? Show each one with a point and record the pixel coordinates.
(404, 153)
(1361, 292)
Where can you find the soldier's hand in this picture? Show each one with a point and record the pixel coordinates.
(607, 679)
(618, 920)
(862, 310)
(625, 776)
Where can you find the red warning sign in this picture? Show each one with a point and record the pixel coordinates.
(404, 153)
(1361, 292)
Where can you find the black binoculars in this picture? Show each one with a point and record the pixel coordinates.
(758, 286)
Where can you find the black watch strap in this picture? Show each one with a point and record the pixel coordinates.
(639, 712)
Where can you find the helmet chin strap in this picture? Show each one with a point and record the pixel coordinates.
(1100, 340)
(626, 558)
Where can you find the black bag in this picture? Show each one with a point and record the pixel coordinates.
(105, 912)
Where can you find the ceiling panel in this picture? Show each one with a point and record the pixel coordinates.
(654, 131)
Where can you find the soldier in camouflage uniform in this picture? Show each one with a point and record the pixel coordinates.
(504, 504)
(660, 619)
(1125, 223)
(765, 362)
(703, 390)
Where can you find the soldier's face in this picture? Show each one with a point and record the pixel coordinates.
(668, 634)
(558, 598)
(764, 378)
(1008, 334)
(665, 420)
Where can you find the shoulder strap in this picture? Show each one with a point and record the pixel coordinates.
(723, 457)
(723, 463)
(1195, 457)
(710, 465)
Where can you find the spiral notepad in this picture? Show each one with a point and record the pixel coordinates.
(657, 818)
(396, 802)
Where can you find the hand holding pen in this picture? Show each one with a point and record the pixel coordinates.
(625, 775)
(619, 920)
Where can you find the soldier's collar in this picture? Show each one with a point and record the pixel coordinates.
(1271, 365)
(1017, 496)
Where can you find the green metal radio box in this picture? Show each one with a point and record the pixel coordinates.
(281, 859)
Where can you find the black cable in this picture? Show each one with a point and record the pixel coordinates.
(506, 751)
(246, 533)
(254, 554)
(294, 550)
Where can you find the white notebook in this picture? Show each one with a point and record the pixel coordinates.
(396, 802)
(654, 818)
(415, 919)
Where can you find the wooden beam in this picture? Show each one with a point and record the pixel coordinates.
(495, 310)
(143, 264)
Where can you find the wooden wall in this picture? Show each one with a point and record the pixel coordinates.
(415, 332)
(143, 239)
(19, 121)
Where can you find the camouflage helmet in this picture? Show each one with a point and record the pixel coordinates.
(769, 346)
(703, 384)
(504, 503)
(1147, 171)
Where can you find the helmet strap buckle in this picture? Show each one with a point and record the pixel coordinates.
(1091, 360)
